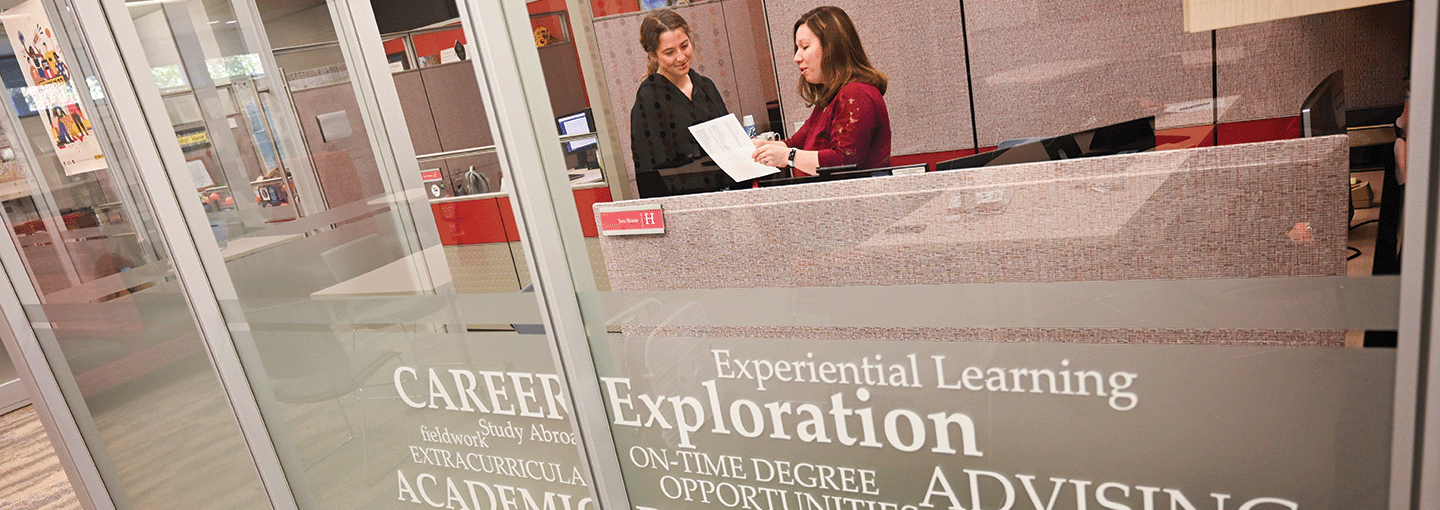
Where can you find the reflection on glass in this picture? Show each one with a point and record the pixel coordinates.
(346, 306)
(12, 392)
(110, 312)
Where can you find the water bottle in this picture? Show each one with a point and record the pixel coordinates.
(749, 123)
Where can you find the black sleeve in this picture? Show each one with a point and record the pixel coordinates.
(637, 141)
(714, 93)
(642, 143)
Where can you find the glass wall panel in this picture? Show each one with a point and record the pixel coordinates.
(99, 284)
(12, 392)
(1033, 327)
(369, 269)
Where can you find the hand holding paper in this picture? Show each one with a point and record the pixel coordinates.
(726, 143)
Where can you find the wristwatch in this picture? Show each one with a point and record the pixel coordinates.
(791, 160)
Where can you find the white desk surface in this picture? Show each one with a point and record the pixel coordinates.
(580, 176)
(243, 246)
(400, 197)
(399, 278)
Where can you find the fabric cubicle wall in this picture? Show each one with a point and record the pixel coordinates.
(1046, 68)
(1070, 65)
(730, 48)
(1267, 69)
(921, 50)
(1039, 68)
(345, 166)
(1147, 216)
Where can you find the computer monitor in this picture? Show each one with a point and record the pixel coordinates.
(577, 124)
(847, 172)
(1123, 138)
(1323, 112)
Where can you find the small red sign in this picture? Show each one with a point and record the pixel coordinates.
(430, 175)
(633, 221)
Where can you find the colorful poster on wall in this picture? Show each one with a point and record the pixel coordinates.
(51, 91)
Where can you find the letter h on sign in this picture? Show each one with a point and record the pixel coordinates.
(631, 220)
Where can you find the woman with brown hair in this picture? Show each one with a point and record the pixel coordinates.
(672, 98)
(849, 124)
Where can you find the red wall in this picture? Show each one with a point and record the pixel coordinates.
(491, 220)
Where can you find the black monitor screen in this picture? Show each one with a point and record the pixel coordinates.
(577, 124)
(1126, 137)
(1323, 112)
(847, 172)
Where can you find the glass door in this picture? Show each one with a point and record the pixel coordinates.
(98, 280)
(391, 345)
(1142, 330)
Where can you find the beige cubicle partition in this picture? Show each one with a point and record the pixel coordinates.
(1044, 68)
(345, 165)
(1275, 209)
(922, 50)
(730, 48)
(1066, 78)
(1265, 70)
(1202, 15)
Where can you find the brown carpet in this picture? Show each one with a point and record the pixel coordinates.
(30, 474)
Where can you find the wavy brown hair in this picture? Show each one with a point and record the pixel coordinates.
(842, 57)
(655, 25)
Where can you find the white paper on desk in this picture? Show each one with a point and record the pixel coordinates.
(449, 55)
(726, 143)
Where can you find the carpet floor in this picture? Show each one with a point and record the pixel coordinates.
(30, 474)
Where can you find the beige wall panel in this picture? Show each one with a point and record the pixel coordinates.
(1213, 212)
(719, 55)
(416, 107)
(346, 167)
(561, 66)
(918, 46)
(1201, 15)
(1156, 220)
(754, 71)
(1267, 69)
(1045, 68)
(460, 119)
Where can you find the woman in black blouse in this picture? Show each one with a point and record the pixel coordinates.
(672, 98)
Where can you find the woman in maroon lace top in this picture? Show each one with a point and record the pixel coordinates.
(849, 124)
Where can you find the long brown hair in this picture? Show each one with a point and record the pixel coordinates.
(842, 57)
(655, 25)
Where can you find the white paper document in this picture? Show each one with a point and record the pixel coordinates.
(726, 143)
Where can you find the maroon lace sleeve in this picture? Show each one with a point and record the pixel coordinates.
(798, 138)
(852, 127)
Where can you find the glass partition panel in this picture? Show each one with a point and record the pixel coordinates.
(371, 286)
(1048, 327)
(12, 392)
(988, 336)
(98, 282)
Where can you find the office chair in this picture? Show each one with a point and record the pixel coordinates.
(312, 367)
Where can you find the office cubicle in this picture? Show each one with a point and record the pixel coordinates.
(341, 360)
